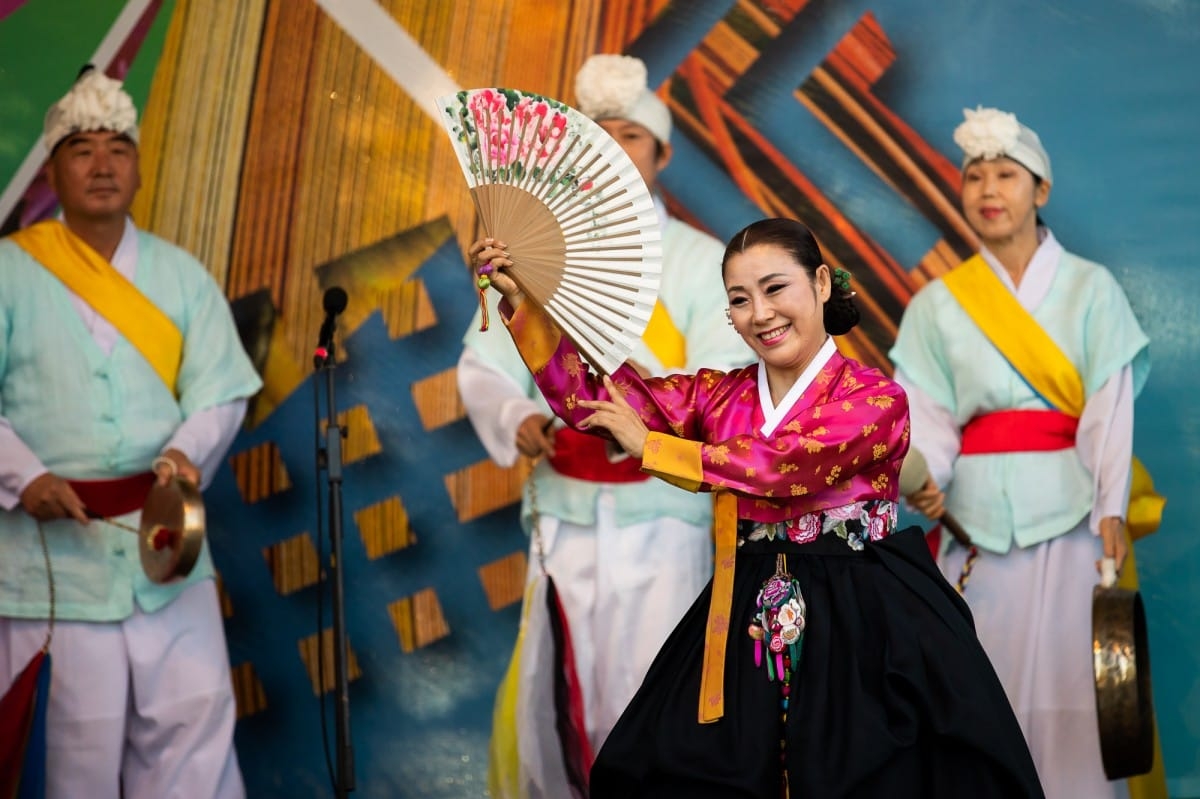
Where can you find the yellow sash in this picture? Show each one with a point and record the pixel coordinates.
(1029, 349)
(664, 339)
(670, 347)
(85, 272)
(1037, 358)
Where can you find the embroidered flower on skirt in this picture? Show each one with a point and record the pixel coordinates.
(869, 520)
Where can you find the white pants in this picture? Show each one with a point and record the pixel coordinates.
(139, 709)
(1033, 614)
(623, 590)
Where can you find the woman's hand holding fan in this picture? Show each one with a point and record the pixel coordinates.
(490, 257)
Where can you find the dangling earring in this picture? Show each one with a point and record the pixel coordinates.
(728, 317)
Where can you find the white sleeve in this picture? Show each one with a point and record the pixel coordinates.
(205, 436)
(1104, 441)
(934, 431)
(496, 405)
(18, 466)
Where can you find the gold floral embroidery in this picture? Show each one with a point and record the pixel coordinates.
(847, 405)
(744, 444)
(654, 445)
(572, 364)
(851, 383)
(855, 461)
(718, 455)
(824, 377)
(878, 451)
(821, 431)
(571, 401)
(677, 428)
(833, 475)
(880, 482)
(842, 446)
(812, 447)
(751, 472)
(881, 402)
(816, 412)
(868, 429)
(784, 468)
(798, 490)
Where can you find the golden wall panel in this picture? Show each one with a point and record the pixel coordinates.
(484, 487)
(418, 620)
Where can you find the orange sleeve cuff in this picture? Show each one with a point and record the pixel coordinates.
(534, 333)
(674, 459)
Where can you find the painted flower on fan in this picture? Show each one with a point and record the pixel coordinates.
(987, 133)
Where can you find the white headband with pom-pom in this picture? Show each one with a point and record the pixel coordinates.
(95, 102)
(614, 87)
(988, 133)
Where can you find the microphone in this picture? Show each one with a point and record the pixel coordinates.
(334, 302)
(914, 474)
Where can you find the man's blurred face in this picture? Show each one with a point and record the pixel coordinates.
(95, 175)
(641, 147)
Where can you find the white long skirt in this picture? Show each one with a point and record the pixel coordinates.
(1033, 614)
(623, 590)
(139, 709)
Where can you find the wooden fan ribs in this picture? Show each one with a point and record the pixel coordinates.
(580, 225)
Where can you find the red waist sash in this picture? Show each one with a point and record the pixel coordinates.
(1019, 431)
(113, 497)
(585, 457)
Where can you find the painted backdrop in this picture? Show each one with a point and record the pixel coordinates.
(289, 144)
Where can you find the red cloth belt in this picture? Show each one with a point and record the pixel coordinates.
(113, 497)
(1019, 431)
(585, 457)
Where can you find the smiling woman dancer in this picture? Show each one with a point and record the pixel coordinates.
(827, 657)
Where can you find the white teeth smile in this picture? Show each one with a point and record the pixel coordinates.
(772, 336)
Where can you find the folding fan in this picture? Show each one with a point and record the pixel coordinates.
(578, 220)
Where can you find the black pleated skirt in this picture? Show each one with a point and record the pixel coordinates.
(893, 695)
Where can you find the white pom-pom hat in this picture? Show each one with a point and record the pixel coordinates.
(988, 133)
(95, 102)
(614, 87)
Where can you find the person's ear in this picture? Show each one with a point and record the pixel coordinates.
(664, 156)
(823, 278)
(1042, 193)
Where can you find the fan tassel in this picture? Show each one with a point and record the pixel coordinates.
(483, 309)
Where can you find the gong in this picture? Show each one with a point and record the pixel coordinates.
(171, 533)
(1121, 665)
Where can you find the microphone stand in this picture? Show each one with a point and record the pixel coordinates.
(331, 459)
